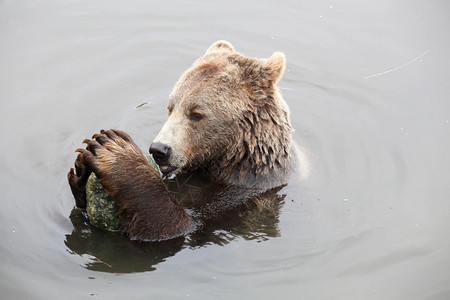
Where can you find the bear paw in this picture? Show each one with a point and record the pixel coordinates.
(78, 177)
(111, 155)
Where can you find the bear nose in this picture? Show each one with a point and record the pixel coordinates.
(160, 151)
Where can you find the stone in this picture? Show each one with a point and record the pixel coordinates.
(101, 207)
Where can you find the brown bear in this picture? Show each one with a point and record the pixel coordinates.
(227, 121)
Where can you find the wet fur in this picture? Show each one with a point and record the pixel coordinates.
(146, 209)
(246, 151)
(248, 145)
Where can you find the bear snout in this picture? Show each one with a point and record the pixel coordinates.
(161, 153)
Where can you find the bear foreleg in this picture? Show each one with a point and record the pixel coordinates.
(146, 209)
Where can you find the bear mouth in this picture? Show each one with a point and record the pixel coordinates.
(166, 169)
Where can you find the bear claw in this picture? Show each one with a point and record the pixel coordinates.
(122, 135)
(109, 133)
(92, 145)
(100, 138)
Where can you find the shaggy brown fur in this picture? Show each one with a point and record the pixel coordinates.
(226, 119)
(146, 209)
(227, 116)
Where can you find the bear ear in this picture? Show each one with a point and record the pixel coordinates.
(275, 66)
(220, 46)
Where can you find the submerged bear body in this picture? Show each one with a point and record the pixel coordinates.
(228, 126)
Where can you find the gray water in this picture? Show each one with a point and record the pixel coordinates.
(368, 87)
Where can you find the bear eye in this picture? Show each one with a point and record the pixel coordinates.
(194, 116)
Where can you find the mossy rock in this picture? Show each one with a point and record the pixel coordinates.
(101, 207)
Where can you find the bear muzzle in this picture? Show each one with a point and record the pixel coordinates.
(161, 154)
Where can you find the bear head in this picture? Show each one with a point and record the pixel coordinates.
(227, 117)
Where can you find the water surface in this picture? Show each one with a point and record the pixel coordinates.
(370, 222)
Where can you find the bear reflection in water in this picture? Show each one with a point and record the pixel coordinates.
(115, 253)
